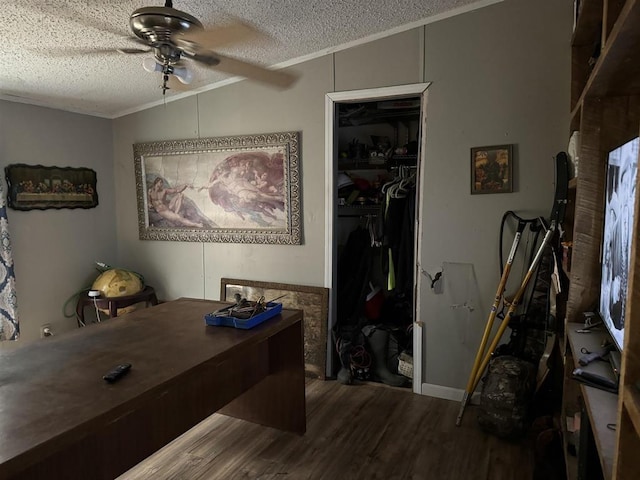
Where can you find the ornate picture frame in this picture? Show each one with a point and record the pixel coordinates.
(313, 301)
(492, 169)
(240, 189)
(39, 187)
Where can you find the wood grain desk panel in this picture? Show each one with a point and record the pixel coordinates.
(59, 419)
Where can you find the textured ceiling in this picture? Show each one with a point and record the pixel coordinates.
(61, 53)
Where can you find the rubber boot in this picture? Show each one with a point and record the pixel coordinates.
(345, 377)
(378, 344)
(344, 353)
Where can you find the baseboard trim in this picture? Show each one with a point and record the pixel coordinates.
(447, 393)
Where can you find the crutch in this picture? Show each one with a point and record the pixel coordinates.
(492, 316)
(479, 366)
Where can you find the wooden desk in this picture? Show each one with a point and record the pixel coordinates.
(112, 304)
(59, 419)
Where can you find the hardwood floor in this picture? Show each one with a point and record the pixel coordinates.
(353, 432)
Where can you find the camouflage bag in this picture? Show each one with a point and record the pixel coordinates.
(506, 396)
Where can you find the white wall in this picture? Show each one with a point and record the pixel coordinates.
(186, 269)
(500, 76)
(55, 250)
(191, 269)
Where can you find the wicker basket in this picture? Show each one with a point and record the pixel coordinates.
(405, 365)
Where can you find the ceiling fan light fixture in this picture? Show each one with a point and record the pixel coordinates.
(150, 65)
(174, 36)
(157, 24)
(183, 74)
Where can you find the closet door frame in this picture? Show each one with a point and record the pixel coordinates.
(331, 168)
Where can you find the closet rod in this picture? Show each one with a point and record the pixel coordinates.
(403, 166)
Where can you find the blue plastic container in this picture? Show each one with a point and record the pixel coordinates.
(272, 310)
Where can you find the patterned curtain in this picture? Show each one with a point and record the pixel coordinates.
(8, 303)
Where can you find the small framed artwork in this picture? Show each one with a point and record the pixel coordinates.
(39, 187)
(243, 189)
(492, 169)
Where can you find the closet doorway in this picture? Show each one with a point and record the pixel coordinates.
(374, 178)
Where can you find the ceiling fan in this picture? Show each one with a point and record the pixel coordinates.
(174, 36)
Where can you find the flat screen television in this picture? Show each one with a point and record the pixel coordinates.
(620, 192)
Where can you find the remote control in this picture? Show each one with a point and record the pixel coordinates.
(595, 380)
(117, 372)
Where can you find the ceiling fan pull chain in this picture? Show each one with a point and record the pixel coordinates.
(165, 80)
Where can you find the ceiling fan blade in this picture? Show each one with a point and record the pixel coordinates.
(224, 35)
(248, 70)
(132, 51)
(71, 52)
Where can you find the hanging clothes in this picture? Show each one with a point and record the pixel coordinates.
(394, 219)
(398, 229)
(353, 276)
(405, 263)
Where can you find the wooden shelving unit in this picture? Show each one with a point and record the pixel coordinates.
(604, 404)
(627, 463)
(631, 400)
(570, 407)
(605, 108)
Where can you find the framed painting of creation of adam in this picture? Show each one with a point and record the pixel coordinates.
(243, 189)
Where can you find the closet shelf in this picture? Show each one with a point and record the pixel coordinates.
(358, 210)
(364, 164)
(378, 117)
(410, 160)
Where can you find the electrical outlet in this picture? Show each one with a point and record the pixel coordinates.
(45, 330)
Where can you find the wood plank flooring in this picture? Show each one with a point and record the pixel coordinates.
(353, 432)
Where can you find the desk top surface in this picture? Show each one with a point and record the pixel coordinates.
(53, 388)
